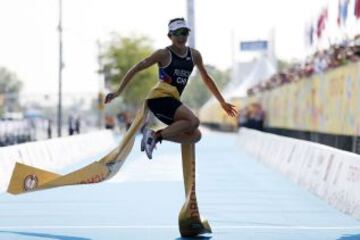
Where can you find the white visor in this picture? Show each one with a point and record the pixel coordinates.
(177, 25)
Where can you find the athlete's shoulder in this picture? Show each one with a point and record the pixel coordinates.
(196, 55)
(195, 51)
(159, 55)
(162, 51)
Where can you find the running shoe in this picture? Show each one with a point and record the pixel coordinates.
(142, 146)
(149, 142)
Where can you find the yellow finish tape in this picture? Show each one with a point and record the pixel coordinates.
(28, 179)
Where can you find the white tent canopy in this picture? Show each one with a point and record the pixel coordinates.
(239, 72)
(260, 72)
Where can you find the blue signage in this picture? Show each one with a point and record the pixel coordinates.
(254, 46)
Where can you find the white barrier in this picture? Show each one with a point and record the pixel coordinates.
(332, 174)
(53, 154)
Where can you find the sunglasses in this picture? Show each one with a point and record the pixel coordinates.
(180, 32)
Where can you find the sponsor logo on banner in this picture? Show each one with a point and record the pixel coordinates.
(354, 174)
(319, 162)
(110, 166)
(30, 182)
(94, 179)
(338, 171)
(291, 154)
(194, 211)
(327, 171)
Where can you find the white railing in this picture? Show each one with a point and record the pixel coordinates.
(53, 154)
(331, 174)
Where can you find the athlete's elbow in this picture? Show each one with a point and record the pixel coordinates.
(198, 136)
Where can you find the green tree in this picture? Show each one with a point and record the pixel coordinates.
(196, 93)
(120, 55)
(10, 87)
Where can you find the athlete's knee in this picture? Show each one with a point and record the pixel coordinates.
(194, 123)
(194, 137)
(197, 137)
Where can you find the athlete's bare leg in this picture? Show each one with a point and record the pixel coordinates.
(193, 137)
(184, 129)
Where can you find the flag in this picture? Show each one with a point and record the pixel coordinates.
(357, 9)
(309, 34)
(342, 12)
(321, 22)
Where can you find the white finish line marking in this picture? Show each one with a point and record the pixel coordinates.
(175, 227)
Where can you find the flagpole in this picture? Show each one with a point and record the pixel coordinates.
(59, 112)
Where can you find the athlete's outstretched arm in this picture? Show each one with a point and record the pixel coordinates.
(209, 82)
(145, 63)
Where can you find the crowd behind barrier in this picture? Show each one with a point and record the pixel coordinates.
(331, 174)
(252, 116)
(321, 61)
(54, 154)
(16, 131)
(325, 105)
(319, 96)
(74, 124)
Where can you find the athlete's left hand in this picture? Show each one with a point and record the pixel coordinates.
(229, 109)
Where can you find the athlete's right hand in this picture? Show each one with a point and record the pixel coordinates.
(110, 96)
(229, 109)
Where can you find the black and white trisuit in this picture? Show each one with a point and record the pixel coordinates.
(176, 73)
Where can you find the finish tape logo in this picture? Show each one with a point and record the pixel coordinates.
(30, 182)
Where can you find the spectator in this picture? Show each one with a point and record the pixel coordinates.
(77, 125)
(109, 122)
(252, 116)
(49, 128)
(71, 125)
(320, 63)
(243, 117)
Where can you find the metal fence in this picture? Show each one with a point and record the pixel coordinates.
(16, 131)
